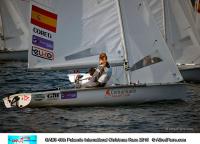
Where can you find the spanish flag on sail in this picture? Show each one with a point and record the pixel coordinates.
(43, 18)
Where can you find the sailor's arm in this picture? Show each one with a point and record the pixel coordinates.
(97, 73)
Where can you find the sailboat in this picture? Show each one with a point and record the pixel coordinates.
(179, 20)
(15, 16)
(187, 38)
(76, 31)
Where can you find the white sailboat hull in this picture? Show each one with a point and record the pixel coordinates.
(108, 96)
(191, 74)
(14, 55)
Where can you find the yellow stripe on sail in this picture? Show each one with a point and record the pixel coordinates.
(44, 19)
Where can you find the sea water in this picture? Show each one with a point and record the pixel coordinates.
(165, 116)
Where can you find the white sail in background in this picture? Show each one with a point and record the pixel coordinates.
(182, 35)
(15, 22)
(150, 60)
(194, 7)
(84, 28)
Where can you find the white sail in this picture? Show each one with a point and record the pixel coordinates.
(157, 9)
(83, 29)
(15, 21)
(150, 60)
(194, 7)
(182, 35)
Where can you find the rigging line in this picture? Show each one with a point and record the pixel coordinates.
(127, 74)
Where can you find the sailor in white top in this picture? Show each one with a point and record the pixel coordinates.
(102, 74)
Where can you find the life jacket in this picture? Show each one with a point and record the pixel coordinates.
(102, 74)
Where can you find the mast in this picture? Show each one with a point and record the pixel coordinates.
(2, 34)
(164, 20)
(126, 65)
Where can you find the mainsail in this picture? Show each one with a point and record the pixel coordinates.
(84, 28)
(71, 34)
(15, 24)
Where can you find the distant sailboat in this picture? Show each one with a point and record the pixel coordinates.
(180, 21)
(183, 37)
(15, 16)
(71, 34)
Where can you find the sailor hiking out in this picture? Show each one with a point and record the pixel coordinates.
(101, 75)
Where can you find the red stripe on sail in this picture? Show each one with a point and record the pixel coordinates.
(44, 12)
